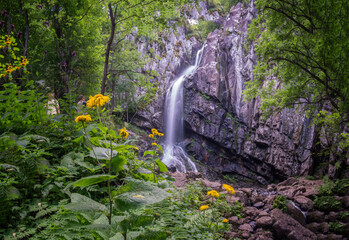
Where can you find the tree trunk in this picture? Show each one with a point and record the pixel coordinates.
(110, 41)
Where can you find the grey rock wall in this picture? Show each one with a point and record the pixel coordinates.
(222, 130)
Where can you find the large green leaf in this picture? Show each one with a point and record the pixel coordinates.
(117, 236)
(82, 203)
(102, 153)
(161, 165)
(137, 193)
(117, 163)
(87, 181)
(69, 159)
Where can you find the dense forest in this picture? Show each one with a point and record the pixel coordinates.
(174, 119)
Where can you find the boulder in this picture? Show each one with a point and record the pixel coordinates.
(264, 222)
(304, 203)
(285, 226)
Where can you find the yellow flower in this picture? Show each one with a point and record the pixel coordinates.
(229, 188)
(225, 220)
(2, 47)
(2, 75)
(9, 69)
(160, 134)
(123, 133)
(83, 118)
(8, 43)
(154, 131)
(154, 144)
(151, 135)
(213, 193)
(97, 101)
(204, 207)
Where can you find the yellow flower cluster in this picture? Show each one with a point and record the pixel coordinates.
(24, 62)
(213, 193)
(229, 188)
(204, 207)
(10, 69)
(2, 47)
(83, 118)
(97, 101)
(123, 133)
(8, 41)
(225, 220)
(155, 132)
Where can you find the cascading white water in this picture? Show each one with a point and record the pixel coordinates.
(174, 155)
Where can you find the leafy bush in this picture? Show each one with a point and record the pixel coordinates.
(327, 188)
(280, 203)
(336, 227)
(327, 203)
(341, 186)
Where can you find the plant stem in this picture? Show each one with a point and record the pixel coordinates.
(109, 192)
(83, 125)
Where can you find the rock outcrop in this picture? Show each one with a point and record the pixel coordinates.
(222, 130)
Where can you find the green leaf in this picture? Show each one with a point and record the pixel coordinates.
(151, 152)
(161, 165)
(71, 158)
(102, 153)
(137, 193)
(82, 203)
(117, 163)
(91, 180)
(117, 236)
(90, 166)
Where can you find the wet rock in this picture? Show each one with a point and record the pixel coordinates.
(315, 216)
(233, 220)
(334, 237)
(180, 179)
(314, 227)
(285, 226)
(258, 205)
(295, 212)
(332, 216)
(246, 227)
(213, 185)
(264, 222)
(305, 203)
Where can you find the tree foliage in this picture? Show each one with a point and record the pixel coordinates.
(305, 45)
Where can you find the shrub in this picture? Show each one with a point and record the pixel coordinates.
(336, 227)
(341, 186)
(327, 203)
(280, 203)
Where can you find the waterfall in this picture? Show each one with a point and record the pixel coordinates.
(174, 155)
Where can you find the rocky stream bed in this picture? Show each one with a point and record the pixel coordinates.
(303, 216)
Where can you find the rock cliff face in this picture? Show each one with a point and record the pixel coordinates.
(221, 129)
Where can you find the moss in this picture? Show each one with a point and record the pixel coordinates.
(280, 203)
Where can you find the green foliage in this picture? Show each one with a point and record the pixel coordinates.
(341, 186)
(327, 188)
(327, 203)
(222, 6)
(336, 227)
(280, 203)
(201, 30)
(343, 215)
(304, 47)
